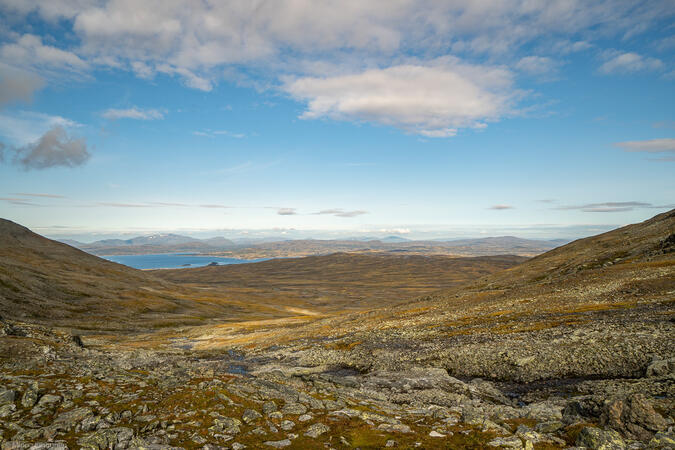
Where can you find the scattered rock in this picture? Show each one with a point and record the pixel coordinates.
(250, 416)
(30, 396)
(294, 409)
(111, 438)
(316, 430)
(506, 442)
(278, 444)
(7, 396)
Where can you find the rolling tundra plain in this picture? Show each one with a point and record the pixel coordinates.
(570, 348)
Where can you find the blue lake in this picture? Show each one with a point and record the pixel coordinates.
(174, 260)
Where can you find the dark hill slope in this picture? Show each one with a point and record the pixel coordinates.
(52, 283)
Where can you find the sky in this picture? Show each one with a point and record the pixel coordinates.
(419, 118)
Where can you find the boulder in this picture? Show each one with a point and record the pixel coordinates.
(597, 439)
(316, 430)
(634, 417)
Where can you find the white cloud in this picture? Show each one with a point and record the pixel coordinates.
(29, 50)
(191, 39)
(323, 44)
(133, 113)
(432, 100)
(649, 146)
(630, 62)
(501, 207)
(536, 65)
(286, 212)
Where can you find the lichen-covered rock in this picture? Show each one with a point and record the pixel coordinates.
(661, 367)
(7, 396)
(269, 407)
(506, 442)
(316, 430)
(662, 441)
(6, 410)
(30, 396)
(294, 408)
(597, 439)
(278, 444)
(227, 425)
(119, 437)
(250, 415)
(69, 419)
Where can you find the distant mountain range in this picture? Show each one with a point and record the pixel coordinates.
(156, 243)
(280, 247)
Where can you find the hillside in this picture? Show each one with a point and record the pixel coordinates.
(49, 282)
(610, 298)
(569, 349)
(342, 281)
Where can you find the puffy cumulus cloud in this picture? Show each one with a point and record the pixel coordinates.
(433, 100)
(29, 50)
(133, 113)
(17, 84)
(648, 146)
(629, 62)
(55, 148)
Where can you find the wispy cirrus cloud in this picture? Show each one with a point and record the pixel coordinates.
(125, 205)
(653, 146)
(215, 206)
(38, 195)
(214, 133)
(649, 146)
(339, 212)
(629, 62)
(287, 212)
(133, 113)
(501, 207)
(19, 201)
(607, 207)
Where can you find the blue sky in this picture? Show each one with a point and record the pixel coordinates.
(426, 119)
